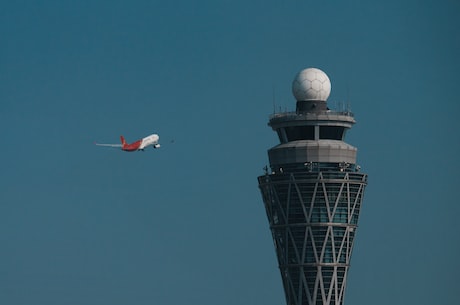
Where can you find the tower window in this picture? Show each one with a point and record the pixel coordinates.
(296, 133)
(331, 132)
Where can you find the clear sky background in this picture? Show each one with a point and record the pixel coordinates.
(86, 225)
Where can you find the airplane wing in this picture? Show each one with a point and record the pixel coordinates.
(109, 145)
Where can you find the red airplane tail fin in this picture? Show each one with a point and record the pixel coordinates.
(123, 141)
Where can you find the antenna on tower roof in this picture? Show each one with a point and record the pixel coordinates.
(348, 98)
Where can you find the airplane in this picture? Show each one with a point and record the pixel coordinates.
(151, 140)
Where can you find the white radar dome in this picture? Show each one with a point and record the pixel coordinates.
(311, 85)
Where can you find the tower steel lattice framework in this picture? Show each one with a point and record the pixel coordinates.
(313, 194)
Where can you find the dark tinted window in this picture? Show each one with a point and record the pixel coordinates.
(331, 132)
(280, 136)
(300, 133)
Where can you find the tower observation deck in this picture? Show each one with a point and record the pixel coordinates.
(312, 194)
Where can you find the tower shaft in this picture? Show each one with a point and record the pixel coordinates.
(313, 218)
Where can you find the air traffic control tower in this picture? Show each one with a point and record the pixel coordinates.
(313, 193)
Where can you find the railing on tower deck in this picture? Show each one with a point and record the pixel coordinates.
(293, 114)
(359, 178)
(329, 168)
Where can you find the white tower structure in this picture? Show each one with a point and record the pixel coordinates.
(313, 194)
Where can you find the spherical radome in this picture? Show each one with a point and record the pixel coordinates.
(311, 85)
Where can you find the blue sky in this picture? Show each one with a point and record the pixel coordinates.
(185, 224)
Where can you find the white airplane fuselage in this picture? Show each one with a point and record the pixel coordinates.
(151, 140)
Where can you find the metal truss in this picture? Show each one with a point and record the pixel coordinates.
(313, 219)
